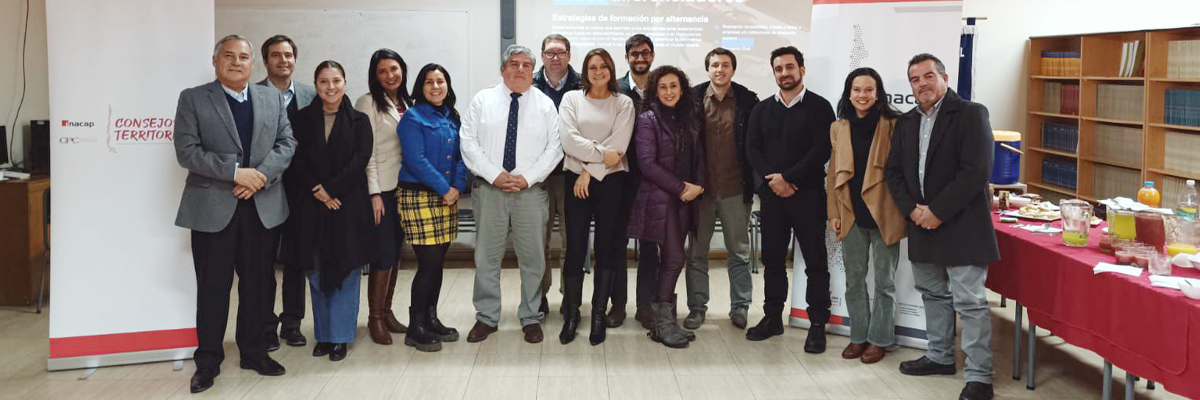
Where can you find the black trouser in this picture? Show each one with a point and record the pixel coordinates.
(604, 205)
(804, 214)
(293, 299)
(244, 247)
(427, 284)
(647, 261)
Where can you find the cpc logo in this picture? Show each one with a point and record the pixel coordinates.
(76, 124)
(75, 140)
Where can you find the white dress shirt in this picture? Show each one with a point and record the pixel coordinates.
(795, 100)
(485, 128)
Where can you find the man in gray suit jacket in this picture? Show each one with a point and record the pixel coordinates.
(235, 141)
(279, 55)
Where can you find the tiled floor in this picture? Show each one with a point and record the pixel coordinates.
(721, 364)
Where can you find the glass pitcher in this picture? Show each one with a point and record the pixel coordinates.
(1077, 221)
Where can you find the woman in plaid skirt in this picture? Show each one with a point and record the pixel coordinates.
(432, 175)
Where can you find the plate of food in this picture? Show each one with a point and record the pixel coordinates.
(1038, 212)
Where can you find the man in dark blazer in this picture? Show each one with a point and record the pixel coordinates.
(235, 141)
(639, 53)
(938, 173)
(279, 56)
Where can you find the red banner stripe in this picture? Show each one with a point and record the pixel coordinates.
(824, 2)
(833, 319)
(77, 346)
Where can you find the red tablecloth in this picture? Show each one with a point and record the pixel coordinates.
(1139, 328)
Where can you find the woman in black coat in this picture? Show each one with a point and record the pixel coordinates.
(329, 230)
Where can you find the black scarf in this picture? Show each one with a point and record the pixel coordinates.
(331, 261)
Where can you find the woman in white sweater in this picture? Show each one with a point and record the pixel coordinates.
(386, 102)
(596, 125)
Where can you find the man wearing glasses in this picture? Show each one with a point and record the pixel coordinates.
(555, 79)
(639, 53)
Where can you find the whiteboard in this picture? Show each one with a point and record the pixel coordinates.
(351, 36)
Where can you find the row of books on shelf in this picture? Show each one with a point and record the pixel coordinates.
(1118, 143)
(1061, 137)
(1060, 63)
(1182, 151)
(1123, 102)
(1182, 107)
(1060, 98)
(1059, 172)
(1183, 59)
(1132, 55)
(1109, 181)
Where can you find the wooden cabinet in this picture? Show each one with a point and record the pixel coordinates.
(1115, 151)
(22, 249)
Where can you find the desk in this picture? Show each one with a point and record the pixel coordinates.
(1140, 328)
(22, 250)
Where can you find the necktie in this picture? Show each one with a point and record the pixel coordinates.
(510, 139)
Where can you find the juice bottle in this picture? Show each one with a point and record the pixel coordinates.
(1186, 206)
(1148, 195)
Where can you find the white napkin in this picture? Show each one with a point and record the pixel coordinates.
(1172, 282)
(1040, 229)
(1120, 269)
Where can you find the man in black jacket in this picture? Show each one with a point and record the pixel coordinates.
(639, 53)
(938, 173)
(788, 145)
(730, 190)
(555, 79)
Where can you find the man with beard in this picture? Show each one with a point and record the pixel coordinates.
(279, 55)
(639, 53)
(788, 145)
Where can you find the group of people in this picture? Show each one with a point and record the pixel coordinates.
(336, 187)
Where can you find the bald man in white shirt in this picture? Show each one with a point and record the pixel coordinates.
(510, 140)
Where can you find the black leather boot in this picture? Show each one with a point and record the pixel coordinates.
(602, 285)
(417, 335)
(572, 297)
(435, 327)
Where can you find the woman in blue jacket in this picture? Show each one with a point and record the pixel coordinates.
(432, 175)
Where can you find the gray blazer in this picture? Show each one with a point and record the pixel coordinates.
(304, 93)
(207, 145)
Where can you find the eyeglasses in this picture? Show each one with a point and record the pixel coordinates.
(556, 54)
(646, 54)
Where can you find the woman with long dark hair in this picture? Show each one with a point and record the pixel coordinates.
(862, 213)
(330, 212)
(671, 157)
(384, 105)
(432, 176)
(596, 125)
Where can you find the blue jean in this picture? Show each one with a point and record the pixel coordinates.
(335, 312)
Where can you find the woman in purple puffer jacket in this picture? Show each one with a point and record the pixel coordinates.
(671, 155)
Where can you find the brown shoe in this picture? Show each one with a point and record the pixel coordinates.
(873, 354)
(616, 316)
(533, 333)
(479, 332)
(377, 285)
(854, 350)
(645, 316)
(389, 317)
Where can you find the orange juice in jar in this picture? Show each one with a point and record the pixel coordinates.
(1148, 195)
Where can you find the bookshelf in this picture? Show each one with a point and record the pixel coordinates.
(1131, 111)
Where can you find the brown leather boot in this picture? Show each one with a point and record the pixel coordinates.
(377, 285)
(389, 317)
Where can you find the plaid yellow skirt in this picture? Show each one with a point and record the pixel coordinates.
(425, 218)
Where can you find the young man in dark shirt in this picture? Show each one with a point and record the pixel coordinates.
(788, 145)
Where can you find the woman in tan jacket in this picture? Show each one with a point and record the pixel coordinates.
(384, 105)
(862, 212)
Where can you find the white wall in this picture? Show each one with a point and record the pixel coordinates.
(1001, 48)
(37, 104)
(999, 66)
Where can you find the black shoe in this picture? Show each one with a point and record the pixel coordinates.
(437, 329)
(203, 378)
(976, 391)
(599, 328)
(337, 352)
(418, 334)
(815, 343)
(768, 327)
(924, 366)
(264, 366)
(293, 337)
(272, 341)
(322, 349)
(570, 326)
